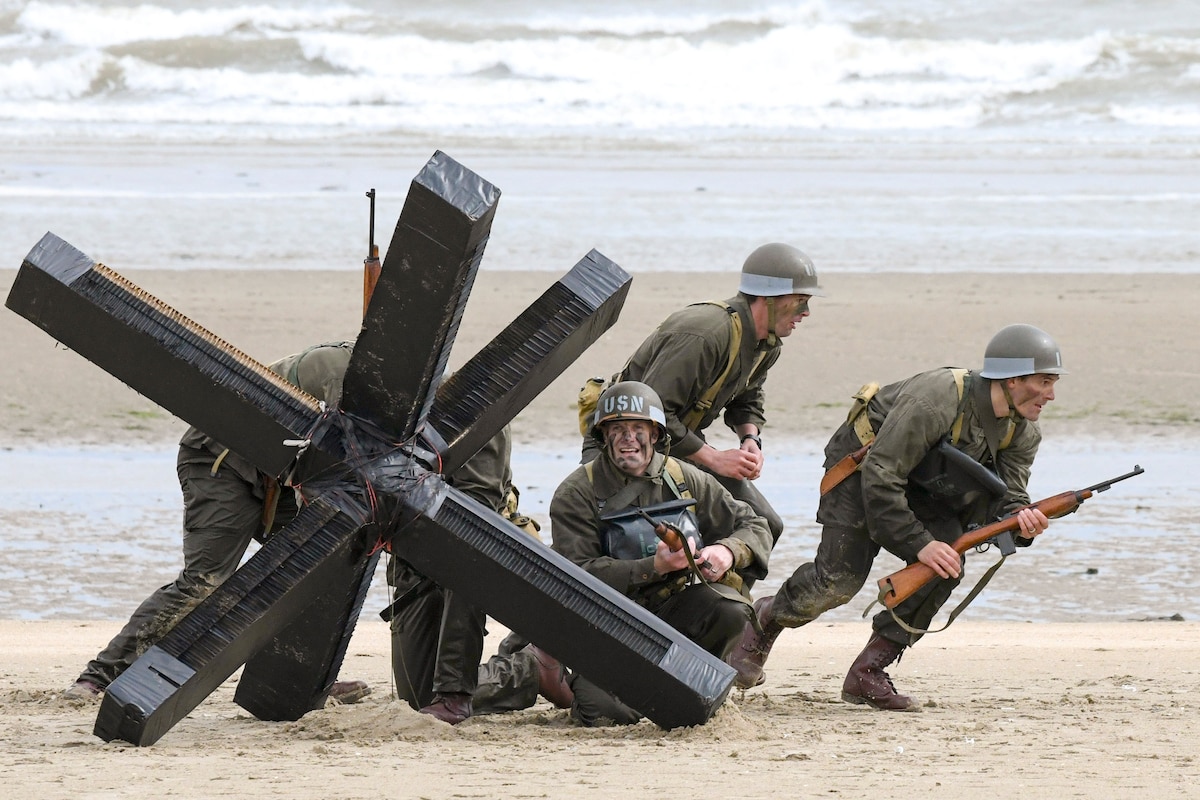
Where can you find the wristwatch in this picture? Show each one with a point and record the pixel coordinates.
(752, 437)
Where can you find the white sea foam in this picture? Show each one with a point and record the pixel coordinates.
(551, 67)
(916, 135)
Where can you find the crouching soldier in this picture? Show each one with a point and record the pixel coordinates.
(896, 473)
(597, 522)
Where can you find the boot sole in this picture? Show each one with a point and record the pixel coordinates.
(866, 701)
(740, 684)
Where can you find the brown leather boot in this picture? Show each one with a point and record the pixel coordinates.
(451, 707)
(750, 653)
(867, 683)
(552, 678)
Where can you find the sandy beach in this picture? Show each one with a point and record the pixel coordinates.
(1061, 709)
(1009, 710)
(951, 167)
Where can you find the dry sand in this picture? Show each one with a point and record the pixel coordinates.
(1011, 709)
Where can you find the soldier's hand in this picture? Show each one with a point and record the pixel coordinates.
(751, 447)
(667, 560)
(714, 561)
(941, 558)
(734, 463)
(1031, 522)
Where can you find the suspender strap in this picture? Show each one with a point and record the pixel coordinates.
(960, 381)
(705, 403)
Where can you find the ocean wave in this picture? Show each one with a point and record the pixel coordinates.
(516, 69)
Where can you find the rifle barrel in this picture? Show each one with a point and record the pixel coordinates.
(1100, 487)
(371, 251)
(903, 583)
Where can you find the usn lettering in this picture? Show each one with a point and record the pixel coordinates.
(623, 403)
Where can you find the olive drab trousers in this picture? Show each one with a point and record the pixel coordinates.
(437, 639)
(221, 514)
(843, 563)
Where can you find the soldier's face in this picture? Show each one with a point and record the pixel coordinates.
(630, 444)
(789, 311)
(1030, 393)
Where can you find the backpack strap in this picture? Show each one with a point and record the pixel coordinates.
(998, 442)
(705, 403)
(679, 486)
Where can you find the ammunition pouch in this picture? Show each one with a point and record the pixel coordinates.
(857, 418)
(589, 396)
(625, 534)
(950, 475)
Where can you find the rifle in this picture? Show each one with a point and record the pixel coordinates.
(902, 584)
(371, 265)
(675, 541)
(668, 533)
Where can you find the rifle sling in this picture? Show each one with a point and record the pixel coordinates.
(958, 609)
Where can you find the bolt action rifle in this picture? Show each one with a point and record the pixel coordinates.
(902, 584)
(371, 265)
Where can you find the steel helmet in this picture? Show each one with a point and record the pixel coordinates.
(1021, 350)
(774, 270)
(629, 400)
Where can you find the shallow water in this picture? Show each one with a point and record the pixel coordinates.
(87, 534)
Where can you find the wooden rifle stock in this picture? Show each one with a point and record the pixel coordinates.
(673, 538)
(902, 584)
(667, 533)
(371, 265)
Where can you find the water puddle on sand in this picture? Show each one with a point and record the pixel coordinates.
(87, 534)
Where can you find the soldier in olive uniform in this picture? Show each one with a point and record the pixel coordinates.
(437, 639)
(991, 417)
(710, 610)
(226, 504)
(691, 362)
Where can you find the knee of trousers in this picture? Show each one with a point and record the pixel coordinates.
(775, 524)
(196, 586)
(724, 625)
(807, 600)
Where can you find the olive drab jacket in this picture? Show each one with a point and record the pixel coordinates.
(575, 523)
(687, 354)
(318, 370)
(487, 475)
(909, 418)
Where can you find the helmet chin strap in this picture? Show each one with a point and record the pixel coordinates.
(1012, 407)
(772, 339)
